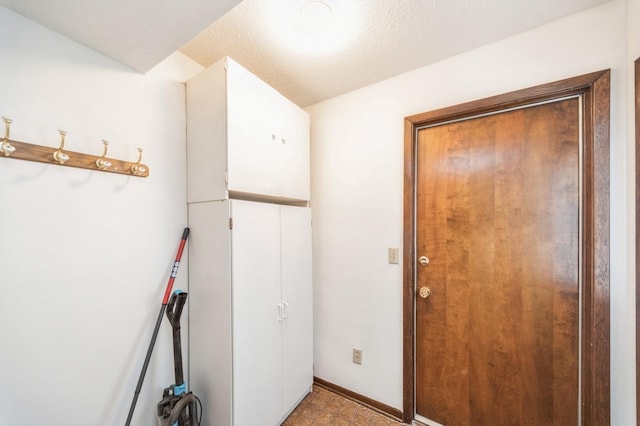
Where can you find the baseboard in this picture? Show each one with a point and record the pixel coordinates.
(361, 399)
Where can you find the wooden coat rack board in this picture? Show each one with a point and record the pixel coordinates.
(59, 156)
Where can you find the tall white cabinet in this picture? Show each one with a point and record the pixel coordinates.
(250, 301)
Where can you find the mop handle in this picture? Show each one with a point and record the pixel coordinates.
(176, 264)
(163, 307)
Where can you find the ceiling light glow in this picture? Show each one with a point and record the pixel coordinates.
(316, 27)
(315, 16)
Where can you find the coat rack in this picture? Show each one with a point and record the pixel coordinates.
(59, 156)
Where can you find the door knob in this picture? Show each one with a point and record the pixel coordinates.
(424, 292)
(423, 260)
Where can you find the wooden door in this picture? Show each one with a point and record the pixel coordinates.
(592, 91)
(498, 217)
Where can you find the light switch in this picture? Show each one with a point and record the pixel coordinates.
(394, 255)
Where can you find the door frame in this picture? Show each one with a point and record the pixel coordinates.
(637, 145)
(594, 88)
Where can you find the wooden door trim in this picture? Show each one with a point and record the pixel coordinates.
(594, 88)
(637, 115)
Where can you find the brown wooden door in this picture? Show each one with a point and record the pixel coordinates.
(498, 217)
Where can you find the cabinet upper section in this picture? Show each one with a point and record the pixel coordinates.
(244, 138)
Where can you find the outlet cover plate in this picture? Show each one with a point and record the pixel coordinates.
(357, 356)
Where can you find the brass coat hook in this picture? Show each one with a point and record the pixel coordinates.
(6, 148)
(136, 168)
(58, 155)
(101, 162)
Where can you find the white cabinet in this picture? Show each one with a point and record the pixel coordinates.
(250, 302)
(250, 310)
(244, 138)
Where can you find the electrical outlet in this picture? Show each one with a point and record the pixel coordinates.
(394, 255)
(357, 355)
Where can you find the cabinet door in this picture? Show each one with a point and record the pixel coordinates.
(206, 135)
(210, 310)
(297, 340)
(255, 248)
(294, 151)
(253, 157)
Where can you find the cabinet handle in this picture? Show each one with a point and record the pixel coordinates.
(285, 307)
(279, 311)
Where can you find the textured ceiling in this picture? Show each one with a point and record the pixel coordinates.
(390, 37)
(381, 38)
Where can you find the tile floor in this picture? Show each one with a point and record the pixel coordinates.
(325, 408)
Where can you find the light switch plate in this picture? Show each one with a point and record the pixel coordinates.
(394, 255)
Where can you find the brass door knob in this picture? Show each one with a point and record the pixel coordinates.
(423, 260)
(424, 292)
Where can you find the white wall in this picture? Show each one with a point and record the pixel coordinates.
(84, 255)
(634, 29)
(357, 184)
(633, 14)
